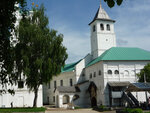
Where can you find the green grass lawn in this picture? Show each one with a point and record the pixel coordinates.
(9, 110)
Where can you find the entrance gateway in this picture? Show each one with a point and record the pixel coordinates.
(93, 94)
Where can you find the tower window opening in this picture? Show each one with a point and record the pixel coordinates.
(102, 27)
(108, 27)
(94, 28)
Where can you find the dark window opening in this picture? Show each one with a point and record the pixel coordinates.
(55, 85)
(102, 27)
(91, 75)
(61, 83)
(71, 82)
(53, 98)
(100, 72)
(94, 74)
(94, 28)
(20, 84)
(49, 85)
(116, 72)
(109, 72)
(108, 27)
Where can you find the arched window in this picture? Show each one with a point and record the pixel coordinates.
(108, 27)
(102, 27)
(116, 72)
(126, 73)
(109, 72)
(132, 73)
(100, 73)
(94, 28)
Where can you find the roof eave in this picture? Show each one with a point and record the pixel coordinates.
(103, 19)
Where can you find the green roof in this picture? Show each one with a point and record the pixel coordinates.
(122, 53)
(69, 67)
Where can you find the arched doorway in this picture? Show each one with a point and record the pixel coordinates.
(66, 99)
(93, 102)
(93, 94)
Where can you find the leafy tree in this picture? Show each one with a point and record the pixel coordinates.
(111, 3)
(7, 21)
(39, 53)
(146, 71)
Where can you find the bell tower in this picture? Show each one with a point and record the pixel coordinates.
(102, 33)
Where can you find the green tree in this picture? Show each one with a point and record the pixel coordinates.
(146, 71)
(7, 21)
(111, 3)
(39, 53)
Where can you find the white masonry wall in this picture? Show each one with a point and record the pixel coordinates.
(132, 67)
(22, 98)
(49, 91)
(101, 40)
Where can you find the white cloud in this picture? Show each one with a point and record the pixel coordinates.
(77, 43)
(132, 29)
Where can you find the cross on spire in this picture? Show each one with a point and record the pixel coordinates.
(100, 3)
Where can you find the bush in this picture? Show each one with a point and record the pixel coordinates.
(136, 110)
(102, 107)
(77, 107)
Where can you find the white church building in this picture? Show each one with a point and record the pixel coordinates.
(100, 78)
(22, 97)
(103, 75)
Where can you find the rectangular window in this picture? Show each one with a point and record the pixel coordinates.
(49, 85)
(94, 74)
(91, 75)
(53, 98)
(61, 82)
(71, 82)
(20, 84)
(47, 100)
(55, 85)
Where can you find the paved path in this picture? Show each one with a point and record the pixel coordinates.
(75, 111)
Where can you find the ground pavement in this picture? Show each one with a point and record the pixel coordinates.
(75, 111)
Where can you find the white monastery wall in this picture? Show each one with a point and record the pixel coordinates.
(101, 40)
(79, 69)
(22, 98)
(127, 72)
(98, 79)
(49, 89)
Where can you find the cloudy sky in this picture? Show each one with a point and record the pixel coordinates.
(71, 18)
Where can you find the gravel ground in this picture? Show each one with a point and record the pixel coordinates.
(75, 111)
